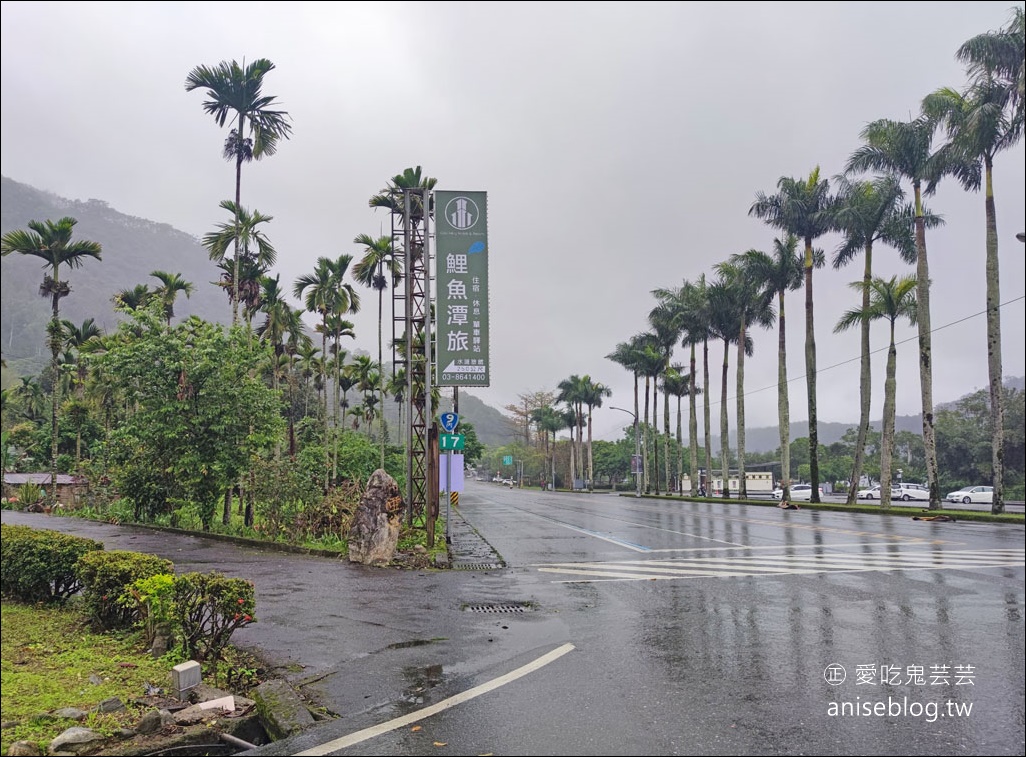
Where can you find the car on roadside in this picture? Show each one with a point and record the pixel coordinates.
(874, 492)
(800, 492)
(976, 495)
(907, 492)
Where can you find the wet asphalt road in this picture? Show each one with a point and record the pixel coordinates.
(670, 628)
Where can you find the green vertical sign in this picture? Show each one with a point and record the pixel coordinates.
(461, 273)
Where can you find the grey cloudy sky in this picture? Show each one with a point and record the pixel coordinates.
(621, 145)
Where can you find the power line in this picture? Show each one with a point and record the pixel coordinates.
(874, 352)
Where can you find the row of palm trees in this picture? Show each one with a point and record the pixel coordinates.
(868, 208)
(244, 255)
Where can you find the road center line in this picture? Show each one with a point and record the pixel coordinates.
(413, 717)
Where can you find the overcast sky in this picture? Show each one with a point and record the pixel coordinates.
(620, 144)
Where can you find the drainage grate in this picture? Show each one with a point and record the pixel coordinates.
(478, 566)
(503, 608)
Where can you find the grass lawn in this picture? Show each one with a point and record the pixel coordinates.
(51, 660)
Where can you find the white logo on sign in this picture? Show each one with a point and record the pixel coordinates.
(461, 213)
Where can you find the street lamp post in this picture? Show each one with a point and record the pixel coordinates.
(637, 450)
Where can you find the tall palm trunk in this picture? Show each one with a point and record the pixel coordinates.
(724, 424)
(926, 353)
(645, 441)
(783, 406)
(54, 335)
(693, 425)
(742, 484)
(997, 411)
(680, 449)
(865, 385)
(591, 467)
(666, 437)
(381, 376)
(324, 383)
(237, 272)
(887, 442)
(810, 374)
(708, 416)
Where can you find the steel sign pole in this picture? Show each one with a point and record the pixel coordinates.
(448, 496)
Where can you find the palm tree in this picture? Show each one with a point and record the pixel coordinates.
(592, 393)
(782, 272)
(242, 273)
(549, 422)
(572, 392)
(754, 308)
(378, 257)
(980, 124)
(888, 300)
(631, 355)
(701, 331)
(737, 300)
(51, 242)
(675, 383)
(650, 364)
(686, 306)
(801, 207)
(170, 285)
(391, 197)
(319, 295)
(666, 333)
(868, 212)
(234, 93)
(903, 148)
(78, 338)
(132, 299)
(724, 323)
(1001, 56)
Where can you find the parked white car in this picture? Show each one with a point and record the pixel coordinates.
(874, 492)
(908, 492)
(800, 492)
(983, 495)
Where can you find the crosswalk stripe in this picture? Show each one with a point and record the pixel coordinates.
(761, 565)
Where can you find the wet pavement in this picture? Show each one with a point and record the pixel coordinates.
(646, 627)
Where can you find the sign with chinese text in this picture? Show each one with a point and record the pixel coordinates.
(461, 301)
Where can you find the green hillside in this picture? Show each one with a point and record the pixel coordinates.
(132, 249)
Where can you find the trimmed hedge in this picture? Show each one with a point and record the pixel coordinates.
(39, 565)
(208, 607)
(107, 578)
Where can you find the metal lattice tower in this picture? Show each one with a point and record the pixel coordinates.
(411, 233)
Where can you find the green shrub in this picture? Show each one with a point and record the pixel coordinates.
(152, 601)
(39, 565)
(29, 493)
(208, 607)
(107, 577)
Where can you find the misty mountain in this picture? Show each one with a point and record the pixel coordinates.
(132, 249)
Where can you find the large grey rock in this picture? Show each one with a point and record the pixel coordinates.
(374, 533)
(75, 740)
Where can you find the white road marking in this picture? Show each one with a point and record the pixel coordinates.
(761, 565)
(445, 704)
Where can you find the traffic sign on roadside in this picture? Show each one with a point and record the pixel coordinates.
(449, 421)
(451, 442)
